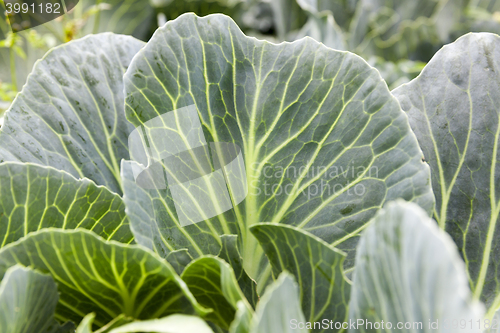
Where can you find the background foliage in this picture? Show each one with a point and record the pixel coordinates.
(397, 37)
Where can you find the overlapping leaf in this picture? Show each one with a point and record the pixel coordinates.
(314, 126)
(214, 285)
(107, 278)
(70, 113)
(317, 267)
(279, 310)
(231, 254)
(128, 17)
(28, 300)
(288, 16)
(409, 273)
(179, 259)
(85, 325)
(453, 109)
(33, 197)
(321, 24)
(174, 8)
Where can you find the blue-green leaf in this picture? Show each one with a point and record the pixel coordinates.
(409, 272)
(453, 109)
(33, 197)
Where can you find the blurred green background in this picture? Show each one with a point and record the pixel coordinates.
(395, 36)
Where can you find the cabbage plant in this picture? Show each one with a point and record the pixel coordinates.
(334, 226)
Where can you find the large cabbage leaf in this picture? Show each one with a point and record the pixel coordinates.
(410, 277)
(453, 109)
(33, 197)
(28, 301)
(323, 141)
(70, 115)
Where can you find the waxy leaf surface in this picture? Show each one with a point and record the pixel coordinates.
(28, 300)
(323, 141)
(409, 272)
(453, 107)
(317, 267)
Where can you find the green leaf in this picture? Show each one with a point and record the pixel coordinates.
(33, 197)
(288, 16)
(107, 278)
(452, 107)
(321, 26)
(175, 8)
(231, 254)
(69, 115)
(214, 285)
(179, 259)
(172, 324)
(396, 30)
(117, 322)
(494, 324)
(409, 271)
(242, 319)
(324, 143)
(85, 325)
(317, 267)
(128, 17)
(342, 10)
(27, 301)
(279, 308)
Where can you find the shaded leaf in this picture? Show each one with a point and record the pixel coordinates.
(321, 26)
(175, 8)
(127, 17)
(288, 16)
(396, 29)
(242, 319)
(214, 285)
(342, 10)
(317, 267)
(85, 325)
(231, 254)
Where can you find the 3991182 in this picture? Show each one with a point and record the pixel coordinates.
(42, 8)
